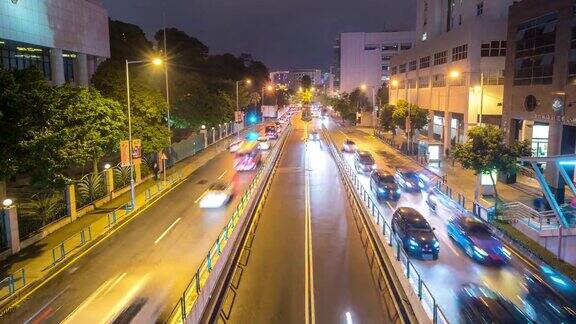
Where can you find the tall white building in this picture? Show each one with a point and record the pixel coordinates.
(364, 58)
(456, 68)
(66, 39)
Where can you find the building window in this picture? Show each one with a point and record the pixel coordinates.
(385, 67)
(401, 84)
(493, 48)
(402, 68)
(20, 56)
(460, 52)
(440, 58)
(424, 62)
(405, 46)
(535, 46)
(393, 70)
(480, 8)
(412, 65)
(390, 47)
(438, 80)
(411, 83)
(494, 78)
(370, 47)
(423, 82)
(386, 57)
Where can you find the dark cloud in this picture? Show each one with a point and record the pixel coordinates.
(283, 34)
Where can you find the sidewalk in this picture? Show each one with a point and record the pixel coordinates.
(39, 258)
(464, 181)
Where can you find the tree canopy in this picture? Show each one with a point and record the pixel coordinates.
(418, 116)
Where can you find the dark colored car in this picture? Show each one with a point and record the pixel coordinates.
(549, 302)
(349, 146)
(479, 304)
(409, 180)
(415, 233)
(364, 162)
(383, 185)
(477, 240)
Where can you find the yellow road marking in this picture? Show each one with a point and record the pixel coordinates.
(309, 260)
(223, 173)
(201, 196)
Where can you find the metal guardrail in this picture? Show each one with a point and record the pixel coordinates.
(517, 211)
(424, 294)
(188, 298)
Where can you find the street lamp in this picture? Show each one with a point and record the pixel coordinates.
(7, 202)
(107, 166)
(454, 74)
(155, 61)
(237, 122)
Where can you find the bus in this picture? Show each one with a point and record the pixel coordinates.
(247, 157)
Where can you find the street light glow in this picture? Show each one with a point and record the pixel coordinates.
(203, 127)
(248, 81)
(363, 87)
(157, 61)
(395, 83)
(454, 74)
(269, 88)
(477, 88)
(7, 202)
(107, 166)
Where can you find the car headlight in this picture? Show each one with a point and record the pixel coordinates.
(380, 190)
(374, 166)
(413, 243)
(506, 252)
(421, 184)
(408, 184)
(480, 251)
(398, 191)
(436, 244)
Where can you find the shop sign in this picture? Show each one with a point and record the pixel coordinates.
(557, 118)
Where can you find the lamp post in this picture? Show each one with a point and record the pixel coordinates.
(237, 122)
(155, 61)
(452, 75)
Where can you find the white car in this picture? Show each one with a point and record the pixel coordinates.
(235, 145)
(263, 144)
(314, 135)
(217, 195)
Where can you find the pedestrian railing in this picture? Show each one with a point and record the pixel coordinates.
(519, 212)
(429, 303)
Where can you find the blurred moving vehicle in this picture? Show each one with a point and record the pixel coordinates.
(217, 195)
(415, 233)
(549, 302)
(432, 201)
(263, 143)
(364, 162)
(235, 145)
(409, 180)
(314, 135)
(271, 131)
(383, 185)
(349, 146)
(477, 240)
(247, 157)
(479, 304)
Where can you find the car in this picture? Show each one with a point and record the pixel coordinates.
(476, 239)
(217, 195)
(415, 233)
(314, 135)
(263, 143)
(271, 131)
(383, 185)
(549, 301)
(349, 146)
(479, 304)
(235, 145)
(364, 162)
(409, 180)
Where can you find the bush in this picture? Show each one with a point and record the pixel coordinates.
(540, 251)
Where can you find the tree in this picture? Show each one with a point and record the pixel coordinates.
(418, 116)
(484, 151)
(184, 51)
(345, 108)
(306, 82)
(386, 120)
(382, 95)
(127, 41)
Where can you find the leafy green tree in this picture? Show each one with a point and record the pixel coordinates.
(346, 108)
(418, 116)
(359, 99)
(386, 120)
(382, 96)
(128, 42)
(184, 51)
(484, 151)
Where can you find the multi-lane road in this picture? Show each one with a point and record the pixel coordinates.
(306, 262)
(146, 263)
(444, 276)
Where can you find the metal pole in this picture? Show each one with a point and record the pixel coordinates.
(237, 110)
(132, 193)
(167, 84)
(481, 96)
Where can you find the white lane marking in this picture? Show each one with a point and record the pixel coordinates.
(201, 196)
(167, 230)
(308, 259)
(349, 318)
(223, 173)
(110, 287)
(87, 301)
(46, 305)
(343, 133)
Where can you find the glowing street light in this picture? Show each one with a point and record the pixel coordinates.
(454, 74)
(7, 202)
(395, 83)
(107, 166)
(157, 61)
(270, 88)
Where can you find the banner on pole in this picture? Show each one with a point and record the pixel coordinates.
(238, 116)
(136, 151)
(125, 152)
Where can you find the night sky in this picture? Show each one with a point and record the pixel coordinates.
(284, 34)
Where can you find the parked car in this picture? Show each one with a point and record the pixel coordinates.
(477, 240)
(364, 162)
(349, 146)
(479, 304)
(415, 233)
(383, 185)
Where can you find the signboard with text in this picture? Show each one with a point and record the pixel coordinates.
(125, 152)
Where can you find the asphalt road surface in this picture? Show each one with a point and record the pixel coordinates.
(453, 268)
(306, 262)
(146, 264)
